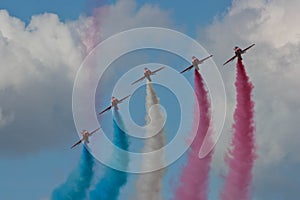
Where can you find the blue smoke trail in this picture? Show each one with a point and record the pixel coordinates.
(108, 188)
(79, 180)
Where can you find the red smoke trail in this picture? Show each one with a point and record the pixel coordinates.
(93, 24)
(241, 158)
(93, 34)
(195, 175)
(91, 37)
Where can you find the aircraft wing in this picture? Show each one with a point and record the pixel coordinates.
(77, 143)
(138, 80)
(93, 132)
(204, 59)
(157, 70)
(244, 51)
(124, 98)
(187, 69)
(231, 59)
(106, 109)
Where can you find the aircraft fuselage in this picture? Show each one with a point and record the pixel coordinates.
(147, 74)
(114, 103)
(238, 53)
(195, 63)
(85, 136)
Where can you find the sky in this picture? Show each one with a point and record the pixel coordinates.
(42, 44)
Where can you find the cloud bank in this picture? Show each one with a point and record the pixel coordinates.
(273, 67)
(38, 65)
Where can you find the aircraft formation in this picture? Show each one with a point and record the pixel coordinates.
(147, 75)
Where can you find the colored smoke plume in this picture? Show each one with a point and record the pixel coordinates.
(149, 185)
(240, 158)
(108, 188)
(78, 182)
(195, 175)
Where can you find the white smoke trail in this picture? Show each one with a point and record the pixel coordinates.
(149, 184)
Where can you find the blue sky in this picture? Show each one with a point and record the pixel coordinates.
(31, 167)
(66, 9)
(27, 172)
(186, 13)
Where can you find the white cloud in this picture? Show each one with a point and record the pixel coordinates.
(5, 118)
(273, 67)
(38, 66)
(28, 52)
(125, 15)
(274, 21)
